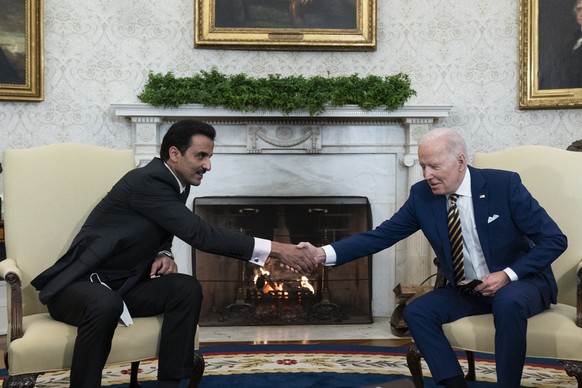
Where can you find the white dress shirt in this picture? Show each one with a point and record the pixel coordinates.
(578, 43)
(473, 258)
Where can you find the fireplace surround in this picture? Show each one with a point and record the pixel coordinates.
(344, 151)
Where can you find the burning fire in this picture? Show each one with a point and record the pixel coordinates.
(305, 284)
(263, 282)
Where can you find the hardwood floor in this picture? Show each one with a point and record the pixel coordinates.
(368, 342)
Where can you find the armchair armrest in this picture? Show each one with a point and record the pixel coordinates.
(7, 266)
(11, 273)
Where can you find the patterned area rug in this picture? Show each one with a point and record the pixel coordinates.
(315, 366)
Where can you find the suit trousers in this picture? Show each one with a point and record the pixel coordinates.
(95, 310)
(512, 305)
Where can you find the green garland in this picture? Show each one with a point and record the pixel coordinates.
(243, 93)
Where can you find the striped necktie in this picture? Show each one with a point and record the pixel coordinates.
(456, 239)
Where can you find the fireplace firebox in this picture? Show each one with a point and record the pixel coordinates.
(241, 293)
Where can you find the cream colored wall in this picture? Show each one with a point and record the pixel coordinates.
(458, 52)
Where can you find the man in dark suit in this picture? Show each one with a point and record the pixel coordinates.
(120, 263)
(8, 74)
(573, 55)
(508, 243)
(560, 49)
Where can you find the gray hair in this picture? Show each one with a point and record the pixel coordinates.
(454, 141)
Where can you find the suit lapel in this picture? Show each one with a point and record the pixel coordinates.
(184, 195)
(440, 216)
(481, 200)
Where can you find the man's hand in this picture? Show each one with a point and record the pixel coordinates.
(163, 265)
(318, 254)
(492, 283)
(295, 259)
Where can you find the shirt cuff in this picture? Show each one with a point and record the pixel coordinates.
(512, 275)
(261, 251)
(330, 255)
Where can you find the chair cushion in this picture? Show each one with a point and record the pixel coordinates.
(476, 333)
(48, 344)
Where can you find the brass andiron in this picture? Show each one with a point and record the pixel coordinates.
(326, 309)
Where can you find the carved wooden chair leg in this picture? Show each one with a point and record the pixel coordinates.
(573, 369)
(198, 370)
(133, 383)
(20, 381)
(413, 358)
(470, 376)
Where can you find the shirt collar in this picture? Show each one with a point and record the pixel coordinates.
(465, 187)
(180, 185)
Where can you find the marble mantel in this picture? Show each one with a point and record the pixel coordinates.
(342, 151)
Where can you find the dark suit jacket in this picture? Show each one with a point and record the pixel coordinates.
(563, 68)
(514, 230)
(137, 219)
(575, 65)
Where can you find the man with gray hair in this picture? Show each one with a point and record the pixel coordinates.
(494, 243)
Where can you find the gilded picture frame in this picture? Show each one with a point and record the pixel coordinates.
(333, 25)
(21, 50)
(550, 63)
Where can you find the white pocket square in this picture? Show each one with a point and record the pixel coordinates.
(492, 218)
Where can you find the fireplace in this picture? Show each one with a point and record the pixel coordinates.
(344, 151)
(241, 293)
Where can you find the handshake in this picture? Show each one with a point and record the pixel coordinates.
(301, 258)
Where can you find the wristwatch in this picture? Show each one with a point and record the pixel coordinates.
(167, 253)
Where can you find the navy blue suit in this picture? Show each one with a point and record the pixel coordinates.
(522, 237)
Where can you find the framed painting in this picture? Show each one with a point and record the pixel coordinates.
(550, 54)
(21, 50)
(340, 25)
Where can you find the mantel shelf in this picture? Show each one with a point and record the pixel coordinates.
(141, 110)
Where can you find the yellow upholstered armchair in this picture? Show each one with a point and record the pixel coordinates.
(554, 177)
(48, 193)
